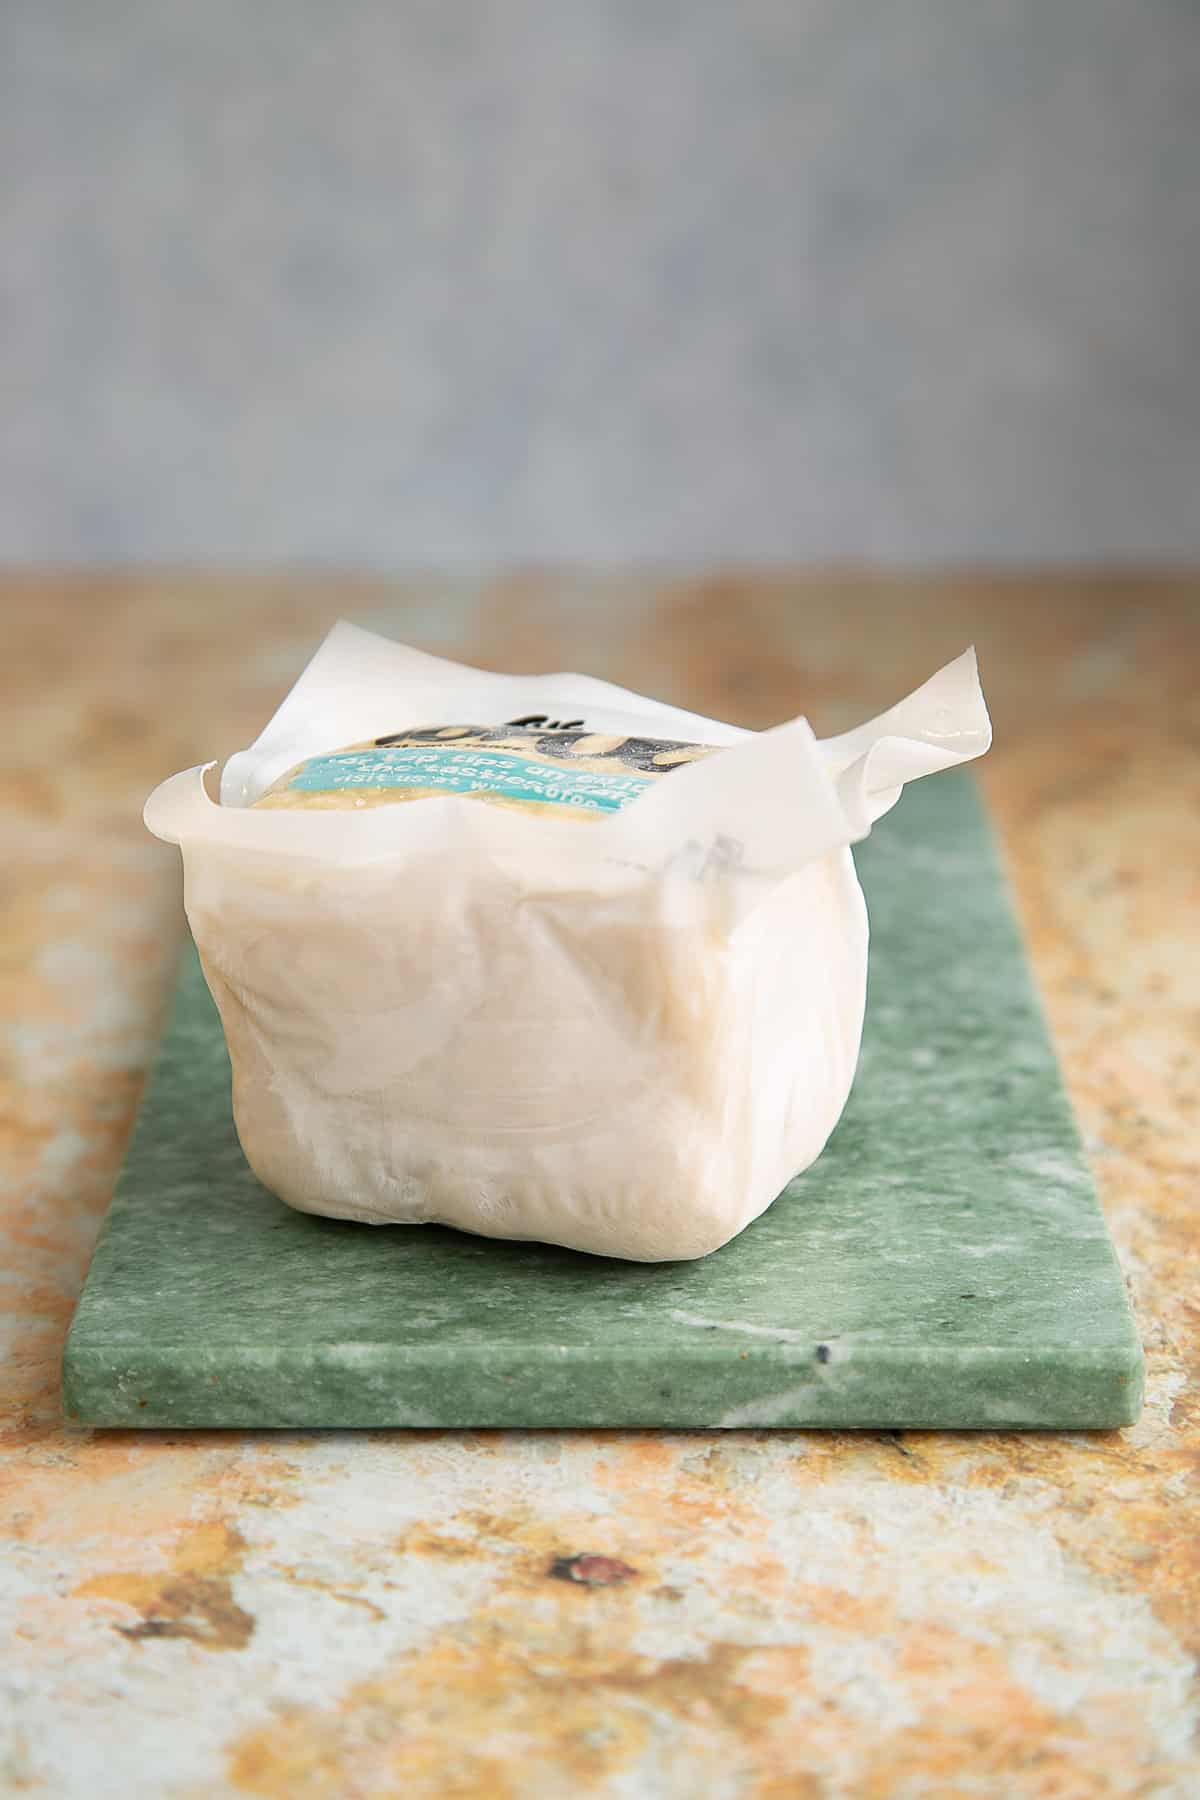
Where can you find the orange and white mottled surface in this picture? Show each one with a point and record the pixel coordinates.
(768, 1615)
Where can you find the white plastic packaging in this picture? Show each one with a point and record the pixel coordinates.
(622, 1033)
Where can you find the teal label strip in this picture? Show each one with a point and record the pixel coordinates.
(473, 771)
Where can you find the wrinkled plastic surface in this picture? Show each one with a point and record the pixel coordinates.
(624, 1034)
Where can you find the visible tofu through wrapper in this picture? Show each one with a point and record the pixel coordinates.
(534, 1060)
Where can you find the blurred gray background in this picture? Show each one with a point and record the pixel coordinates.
(441, 281)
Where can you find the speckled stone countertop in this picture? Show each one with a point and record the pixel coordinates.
(762, 1614)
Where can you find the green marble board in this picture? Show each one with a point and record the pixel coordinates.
(945, 1262)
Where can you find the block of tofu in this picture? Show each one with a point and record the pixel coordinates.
(591, 971)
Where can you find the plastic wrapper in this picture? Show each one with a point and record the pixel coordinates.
(620, 1024)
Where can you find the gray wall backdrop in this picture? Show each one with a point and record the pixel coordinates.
(414, 281)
